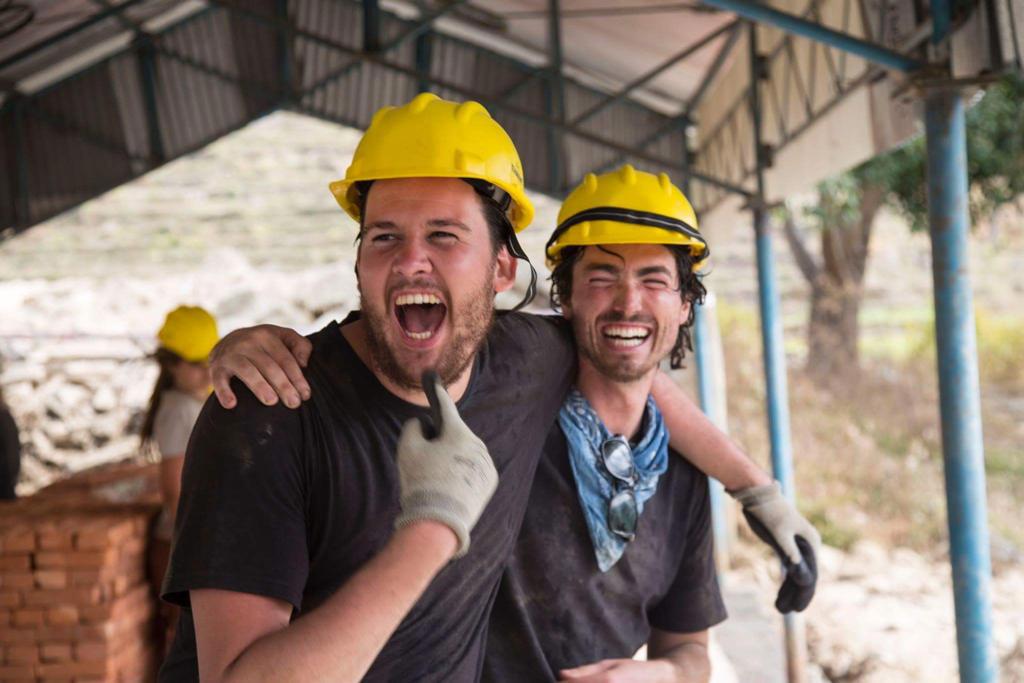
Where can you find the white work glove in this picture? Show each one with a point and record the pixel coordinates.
(448, 479)
(776, 522)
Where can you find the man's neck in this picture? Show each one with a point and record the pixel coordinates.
(355, 333)
(620, 405)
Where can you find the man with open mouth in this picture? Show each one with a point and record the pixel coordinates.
(286, 555)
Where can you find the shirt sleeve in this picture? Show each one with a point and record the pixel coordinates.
(174, 421)
(241, 517)
(694, 600)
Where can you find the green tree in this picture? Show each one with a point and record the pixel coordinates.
(844, 214)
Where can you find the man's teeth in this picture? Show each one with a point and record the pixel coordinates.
(626, 332)
(626, 336)
(421, 335)
(409, 299)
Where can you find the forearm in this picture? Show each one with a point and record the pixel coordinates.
(340, 640)
(701, 441)
(688, 663)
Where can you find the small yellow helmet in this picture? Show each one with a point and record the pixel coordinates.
(627, 206)
(190, 332)
(434, 138)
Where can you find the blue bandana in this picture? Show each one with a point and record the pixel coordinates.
(584, 434)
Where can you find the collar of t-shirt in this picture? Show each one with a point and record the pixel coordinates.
(584, 434)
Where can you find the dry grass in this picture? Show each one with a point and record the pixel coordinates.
(867, 450)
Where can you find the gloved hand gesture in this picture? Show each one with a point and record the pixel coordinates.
(795, 541)
(448, 479)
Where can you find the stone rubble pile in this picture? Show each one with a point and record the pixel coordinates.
(76, 371)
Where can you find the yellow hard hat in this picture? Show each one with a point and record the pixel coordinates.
(434, 138)
(190, 332)
(627, 206)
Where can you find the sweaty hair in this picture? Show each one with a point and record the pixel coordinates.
(499, 227)
(691, 290)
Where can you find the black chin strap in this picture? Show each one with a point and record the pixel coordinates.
(633, 217)
(516, 249)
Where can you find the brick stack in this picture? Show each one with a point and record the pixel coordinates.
(75, 604)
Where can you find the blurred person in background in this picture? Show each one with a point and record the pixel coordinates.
(186, 338)
(10, 451)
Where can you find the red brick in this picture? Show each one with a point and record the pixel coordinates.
(92, 651)
(22, 654)
(68, 596)
(62, 615)
(10, 599)
(12, 635)
(51, 578)
(84, 577)
(56, 652)
(71, 669)
(55, 539)
(15, 563)
(18, 672)
(17, 580)
(58, 633)
(19, 540)
(28, 617)
(102, 535)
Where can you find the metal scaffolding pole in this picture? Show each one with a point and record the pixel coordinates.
(776, 389)
(762, 13)
(556, 98)
(708, 388)
(959, 396)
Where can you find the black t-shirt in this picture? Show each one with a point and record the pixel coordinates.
(10, 454)
(556, 610)
(290, 503)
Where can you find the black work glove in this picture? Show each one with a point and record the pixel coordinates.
(800, 578)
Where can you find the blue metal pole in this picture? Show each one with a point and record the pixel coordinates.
(776, 388)
(959, 396)
(808, 29)
(707, 390)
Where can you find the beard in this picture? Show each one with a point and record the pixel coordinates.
(617, 369)
(469, 327)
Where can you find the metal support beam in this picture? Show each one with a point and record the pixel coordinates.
(148, 77)
(423, 24)
(655, 72)
(285, 53)
(709, 76)
(755, 11)
(371, 26)
(555, 98)
(67, 33)
(959, 396)
(490, 101)
(15, 109)
(424, 59)
(776, 385)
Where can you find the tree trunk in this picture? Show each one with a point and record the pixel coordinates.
(836, 284)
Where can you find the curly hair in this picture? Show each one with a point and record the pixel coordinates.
(691, 289)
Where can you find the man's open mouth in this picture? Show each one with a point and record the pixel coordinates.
(625, 336)
(419, 314)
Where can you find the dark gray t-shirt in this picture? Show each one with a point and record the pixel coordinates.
(556, 610)
(290, 503)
